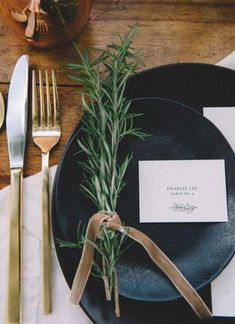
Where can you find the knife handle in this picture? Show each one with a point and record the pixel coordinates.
(13, 311)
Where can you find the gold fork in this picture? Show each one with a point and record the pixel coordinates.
(46, 132)
(41, 24)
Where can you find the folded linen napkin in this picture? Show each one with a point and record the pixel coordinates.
(223, 287)
(228, 61)
(63, 311)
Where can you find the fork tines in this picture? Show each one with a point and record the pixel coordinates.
(49, 116)
(41, 24)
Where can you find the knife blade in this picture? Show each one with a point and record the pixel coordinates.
(2, 110)
(16, 125)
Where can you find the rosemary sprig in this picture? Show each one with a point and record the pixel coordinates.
(106, 122)
(107, 119)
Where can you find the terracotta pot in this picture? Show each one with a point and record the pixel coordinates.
(59, 30)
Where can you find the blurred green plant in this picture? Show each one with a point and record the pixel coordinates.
(63, 11)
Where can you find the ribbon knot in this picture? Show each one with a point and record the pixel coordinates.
(113, 222)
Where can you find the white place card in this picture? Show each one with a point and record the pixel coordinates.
(223, 287)
(182, 191)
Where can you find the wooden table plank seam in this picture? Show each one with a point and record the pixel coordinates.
(169, 31)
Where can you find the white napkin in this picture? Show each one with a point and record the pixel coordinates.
(63, 311)
(223, 287)
(228, 61)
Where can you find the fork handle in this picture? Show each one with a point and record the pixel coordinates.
(13, 306)
(46, 247)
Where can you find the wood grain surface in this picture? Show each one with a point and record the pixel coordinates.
(57, 33)
(169, 31)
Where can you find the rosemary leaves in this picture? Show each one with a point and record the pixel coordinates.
(106, 121)
(63, 11)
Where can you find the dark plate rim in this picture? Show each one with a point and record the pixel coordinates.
(162, 67)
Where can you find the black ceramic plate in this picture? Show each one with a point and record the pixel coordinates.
(199, 250)
(194, 84)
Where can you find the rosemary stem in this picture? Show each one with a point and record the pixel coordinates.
(116, 294)
(106, 281)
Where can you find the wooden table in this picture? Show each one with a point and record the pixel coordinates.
(169, 31)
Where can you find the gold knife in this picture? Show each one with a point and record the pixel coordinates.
(16, 124)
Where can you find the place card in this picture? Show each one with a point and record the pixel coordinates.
(182, 191)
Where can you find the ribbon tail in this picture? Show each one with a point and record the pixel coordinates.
(172, 272)
(85, 264)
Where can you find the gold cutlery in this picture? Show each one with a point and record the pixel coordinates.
(46, 132)
(41, 24)
(19, 16)
(2, 110)
(30, 28)
(36, 19)
(16, 126)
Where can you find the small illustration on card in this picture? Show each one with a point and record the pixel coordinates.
(182, 191)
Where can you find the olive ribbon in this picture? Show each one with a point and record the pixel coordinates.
(113, 222)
